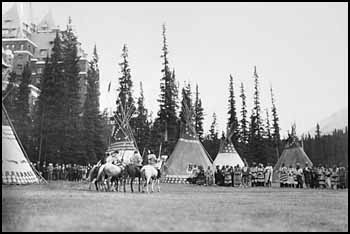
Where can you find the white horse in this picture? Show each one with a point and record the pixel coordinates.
(110, 171)
(151, 175)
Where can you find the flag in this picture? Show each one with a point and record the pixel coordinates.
(109, 86)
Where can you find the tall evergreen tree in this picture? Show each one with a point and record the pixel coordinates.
(275, 126)
(92, 120)
(125, 99)
(50, 112)
(167, 118)
(244, 121)
(73, 150)
(142, 124)
(198, 115)
(256, 129)
(232, 120)
(22, 118)
(213, 132)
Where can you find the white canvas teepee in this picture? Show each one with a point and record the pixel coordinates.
(16, 167)
(123, 139)
(228, 155)
(188, 152)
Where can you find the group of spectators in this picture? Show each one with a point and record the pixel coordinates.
(237, 176)
(313, 177)
(70, 172)
(258, 175)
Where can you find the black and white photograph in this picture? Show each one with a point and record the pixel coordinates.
(175, 116)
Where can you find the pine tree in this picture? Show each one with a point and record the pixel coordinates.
(92, 120)
(142, 124)
(275, 126)
(232, 120)
(22, 118)
(198, 115)
(256, 129)
(318, 131)
(267, 126)
(73, 150)
(125, 99)
(49, 117)
(244, 121)
(167, 122)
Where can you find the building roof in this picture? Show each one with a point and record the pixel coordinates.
(47, 22)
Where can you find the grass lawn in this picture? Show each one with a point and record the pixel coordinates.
(69, 206)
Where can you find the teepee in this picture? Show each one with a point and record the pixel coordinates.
(16, 167)
(227, 153)
(123, 139)
(292, 154)
(187, 153)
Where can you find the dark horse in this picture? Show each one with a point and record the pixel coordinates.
(133, 171)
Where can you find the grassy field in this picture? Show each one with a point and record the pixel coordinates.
(69, 206)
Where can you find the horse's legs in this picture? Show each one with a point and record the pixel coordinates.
(139, 184)
(131, 182)
(96, 184)
(158, 183)
(152, 185)
(124, 182)
(109, 184)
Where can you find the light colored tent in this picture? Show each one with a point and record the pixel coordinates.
(228, 155)
(16, 167)
(188, 152)
(291, 155)
(122, 136)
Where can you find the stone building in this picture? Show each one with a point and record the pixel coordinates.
(31, 43)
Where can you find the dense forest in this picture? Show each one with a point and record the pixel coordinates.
(61, 129)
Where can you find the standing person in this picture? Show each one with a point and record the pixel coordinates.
(341, 177)
(253, 171)
(232, 173)
(50, 171)
(208, 176)
(245, 176)
(307, 175)
(216, 175)
(227, 174)
(291, 176)
(260, 175)
(299, 176)
(335, 177)
(283, 171)
(321, 177)
(328, 174)
(268, 175)
(238, 176)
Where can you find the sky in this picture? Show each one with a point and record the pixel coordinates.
(301, 49)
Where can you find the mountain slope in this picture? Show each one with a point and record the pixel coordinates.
(337, 120)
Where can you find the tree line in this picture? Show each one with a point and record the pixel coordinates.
(61, 129)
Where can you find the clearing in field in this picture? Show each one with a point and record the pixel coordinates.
(70, 206)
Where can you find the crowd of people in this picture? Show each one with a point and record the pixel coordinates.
(70, 172)
(313, 177)
(258, 175)
(237, 176)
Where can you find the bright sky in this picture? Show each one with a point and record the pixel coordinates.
(299, 48)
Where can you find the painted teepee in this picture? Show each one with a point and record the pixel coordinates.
(292, 154)
(188, 152)
(228, 155)
(123, 139)
(16, 167)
